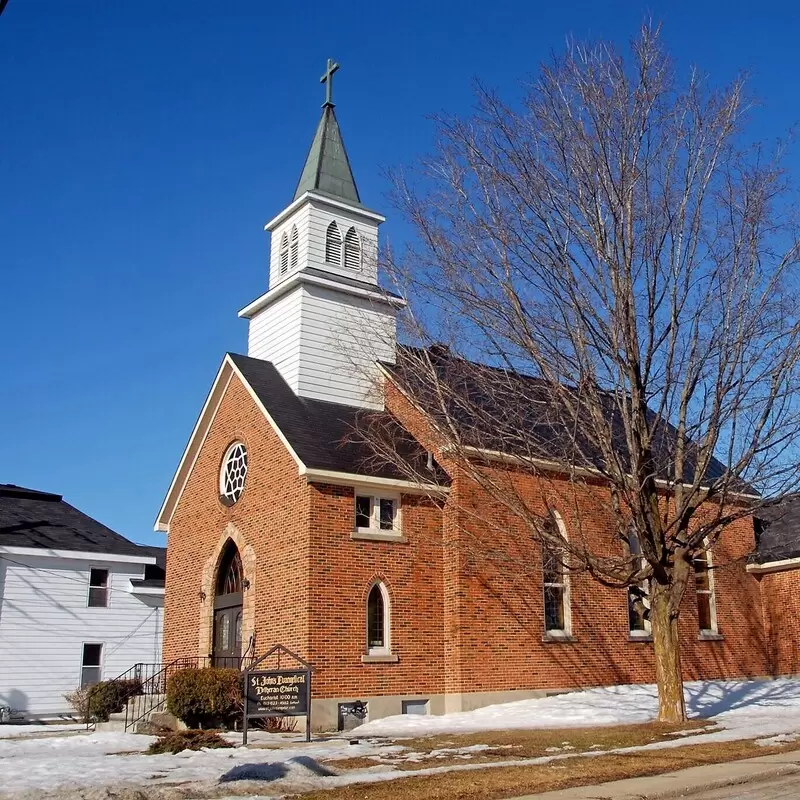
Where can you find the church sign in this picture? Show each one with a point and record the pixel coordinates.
(279, 692)
(274, 694)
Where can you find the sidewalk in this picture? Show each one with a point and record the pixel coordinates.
(683, 782)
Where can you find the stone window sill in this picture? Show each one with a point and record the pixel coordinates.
(644, 638)
(556, 638)
(384, 659)
(709, 636)
(365, 535)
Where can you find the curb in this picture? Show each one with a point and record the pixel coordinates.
(685, 782)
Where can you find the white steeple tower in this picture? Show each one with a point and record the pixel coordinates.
(324, 323)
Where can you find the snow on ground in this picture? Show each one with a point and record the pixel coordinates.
(14, 730)
(735, 704)
(769, 710)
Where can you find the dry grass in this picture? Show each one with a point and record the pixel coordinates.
(495, 783)
(513, 745)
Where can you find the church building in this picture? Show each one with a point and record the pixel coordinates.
(282, 529)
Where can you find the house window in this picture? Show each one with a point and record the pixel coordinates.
(555, 581)
(284, 254)
(352, 250)
(377, 621)
(377, 513)
(233, 473)
(704, 589)
(333, 245)
(98, 588)
(293, 247)
(638, 593)
(91, 664)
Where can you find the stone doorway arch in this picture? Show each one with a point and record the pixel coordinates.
(228, 585)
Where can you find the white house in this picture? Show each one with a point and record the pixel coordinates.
(78, 602)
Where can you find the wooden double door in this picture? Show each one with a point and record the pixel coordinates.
(227, 650)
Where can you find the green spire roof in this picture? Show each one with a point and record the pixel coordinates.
(327, 167)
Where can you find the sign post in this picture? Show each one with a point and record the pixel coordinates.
(277, 693)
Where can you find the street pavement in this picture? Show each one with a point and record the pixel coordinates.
(775, 777)
(784, 787)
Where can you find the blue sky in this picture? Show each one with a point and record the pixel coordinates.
(143, 146)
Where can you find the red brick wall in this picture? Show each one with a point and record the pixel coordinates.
(493, 602)
(462, 619)
(271, 516)
(781, 596)
(342, 572)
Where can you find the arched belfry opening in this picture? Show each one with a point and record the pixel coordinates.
(227, 647)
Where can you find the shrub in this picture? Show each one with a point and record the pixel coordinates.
(178, 741)
(205, 698)
(96, 703)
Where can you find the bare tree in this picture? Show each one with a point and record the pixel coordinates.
(613, 239)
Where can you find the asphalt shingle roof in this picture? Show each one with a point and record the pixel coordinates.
(778, 531)
(505, 411)
(30, 518)
(325, 435)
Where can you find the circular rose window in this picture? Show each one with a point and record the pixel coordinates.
(233, 473)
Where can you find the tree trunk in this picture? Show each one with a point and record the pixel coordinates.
(666, 643)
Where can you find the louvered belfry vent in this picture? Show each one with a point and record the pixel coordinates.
(333, 245)
(293, 247)
(284, 254)
(352, 250)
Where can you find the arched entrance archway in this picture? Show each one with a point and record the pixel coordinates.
(227, 646)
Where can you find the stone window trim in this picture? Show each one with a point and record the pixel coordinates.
(558, 637)
(379, 527)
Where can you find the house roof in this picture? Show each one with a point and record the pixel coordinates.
(778, 531)
(324, 435)
(42, 520)
(508, 412)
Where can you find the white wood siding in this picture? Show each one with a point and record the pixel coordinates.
(320, 217)
(312, 220)
(44, 621)
(301, 219)
(342, 337)
(274, 335)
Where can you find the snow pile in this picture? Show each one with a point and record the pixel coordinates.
(753, 708)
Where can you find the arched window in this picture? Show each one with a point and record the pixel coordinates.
(555, 582)
(704, 590)
(333, 245)
(352, 250)
(638, 593)
(294, 239)
(284, 253)
(378, 620)
(229, 577)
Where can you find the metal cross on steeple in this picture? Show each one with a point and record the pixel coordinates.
(327, 79)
